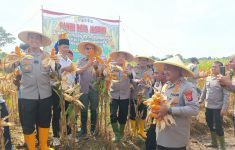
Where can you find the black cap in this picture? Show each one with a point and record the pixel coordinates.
(24, 46)
(63, 42)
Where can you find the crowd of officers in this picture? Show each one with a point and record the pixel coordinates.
(130, 86)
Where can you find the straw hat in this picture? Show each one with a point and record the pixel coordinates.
(175, 61)
(138, 58)
(114, 55)
(23, 36)
(81, 48)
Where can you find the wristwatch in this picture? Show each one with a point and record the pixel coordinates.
(169, 111)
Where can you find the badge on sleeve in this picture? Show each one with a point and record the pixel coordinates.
(188, 95)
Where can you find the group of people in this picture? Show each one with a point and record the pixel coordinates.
(130, 86)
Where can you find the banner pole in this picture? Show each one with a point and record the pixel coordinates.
(119, 33)
(42, 18)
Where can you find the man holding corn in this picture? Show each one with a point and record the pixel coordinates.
(120, 92)
(184, 104)
(35, 89)
(142, 87)
(88, 75)
(63, 47)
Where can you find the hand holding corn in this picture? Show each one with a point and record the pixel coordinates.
(158, 110)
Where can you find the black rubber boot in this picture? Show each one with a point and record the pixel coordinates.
(83, 131)
(93, 121)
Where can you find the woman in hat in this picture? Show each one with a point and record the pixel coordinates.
(35, 99)
(88, 69)
(142, 83)
(184, 104)
(120, 92)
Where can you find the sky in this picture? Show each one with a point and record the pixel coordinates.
(192, 28)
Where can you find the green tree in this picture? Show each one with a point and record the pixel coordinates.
(6, 38)
(154, 58)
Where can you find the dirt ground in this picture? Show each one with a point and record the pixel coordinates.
(197, 142)
(199, 137)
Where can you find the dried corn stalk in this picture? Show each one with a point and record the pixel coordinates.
(71, 93)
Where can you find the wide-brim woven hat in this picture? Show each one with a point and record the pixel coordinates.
(82, 50)
(23, 36)
(175, 61)
(129, 56)
(149, 60)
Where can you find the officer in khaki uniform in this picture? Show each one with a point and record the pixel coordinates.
(216, 103)
(142, 87)
(160, 80)
(120, 92)
(88, 70)
(183, 97)
(35, 99)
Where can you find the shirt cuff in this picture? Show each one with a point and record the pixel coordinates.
(175, 110)
(169, 111)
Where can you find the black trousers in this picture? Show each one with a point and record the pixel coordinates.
(151, 143)
(56, 115)
(119, 110)
(159, 147)
(6, 131)
(35, 112)
(142, 110)
(214, 121)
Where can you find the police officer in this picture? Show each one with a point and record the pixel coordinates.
(142, 87)
(183, 98)
(35, 90)
(120, 92)
(193, 66)
(216, 103)
(160, 80)
(88, 69)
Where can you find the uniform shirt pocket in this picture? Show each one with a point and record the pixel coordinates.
(26, 65)
(27, 68)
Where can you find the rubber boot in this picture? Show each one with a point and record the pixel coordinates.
(141, 129)
(221, 143)
(30, 141)
(133, 127)
(116, 132)
(214, 142)
(43, 137)
(121, 131)
(93, 121)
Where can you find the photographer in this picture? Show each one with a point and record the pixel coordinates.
(226, 81)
